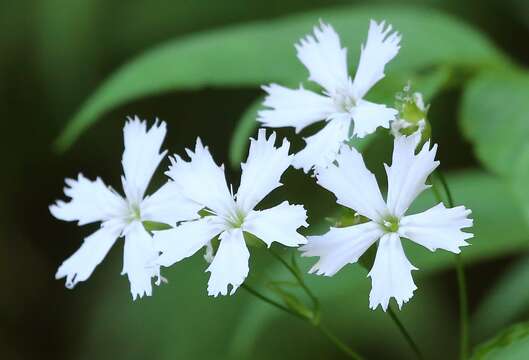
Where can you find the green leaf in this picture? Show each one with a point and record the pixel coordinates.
(495, 118)
(494, 115)
(506, 300)
(155, 226)
(262, 52)
(511, 344)
(245, 128)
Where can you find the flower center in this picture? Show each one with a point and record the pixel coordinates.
(236, 220)
(391, 224)
(344, 101)
(135, 213)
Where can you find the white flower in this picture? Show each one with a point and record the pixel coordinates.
(342, 103)
(356, 188)
(93, 201)
(204, 182)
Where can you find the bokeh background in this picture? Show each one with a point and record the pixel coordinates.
(55, 53)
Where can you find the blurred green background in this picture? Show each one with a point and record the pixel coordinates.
(469, 57)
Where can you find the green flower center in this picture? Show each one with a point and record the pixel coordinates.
(135, 213)
(237, 219)
(391, 224)
(345, 102)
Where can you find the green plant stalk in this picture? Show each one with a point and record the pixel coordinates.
(266, 299)
(315, 319)
(297, 275)
(405, 333)
(460, 272)
(337, 342)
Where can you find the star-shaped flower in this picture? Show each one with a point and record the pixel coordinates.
(92, 201)
(356, 188)
(202, 181)
(342, 104)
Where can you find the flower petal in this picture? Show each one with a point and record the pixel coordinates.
(294, 107)
(438, 228)
(278, 224)
(141, 156)
(201, 180)
(322, 147)
(340, 246)
(324, 57)
(381, 47)
(408, 172)
(82, 263)
(368, 116)
(184, 240)
(263, 169)
(168, 205)
(353, 185)
(230, 265)
(91, 201)
(390, 274)
(138, 260)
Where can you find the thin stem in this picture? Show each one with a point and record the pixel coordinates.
(301, 282)
(270, 301)
(406, 334)
(463, 307)
(446, 188)
(461, 280)
(338, 343)
(316, 320)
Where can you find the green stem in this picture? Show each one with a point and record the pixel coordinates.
(463, 307)
(405, 333)
(316, 310)
(461, 280)
(266, 299)
(297, 275)
(338, 343)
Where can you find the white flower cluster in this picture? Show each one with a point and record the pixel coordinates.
(202, 211)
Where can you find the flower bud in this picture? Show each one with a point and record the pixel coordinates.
(412, 115)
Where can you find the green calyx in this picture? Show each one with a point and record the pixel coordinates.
(347, 217)
(411, 111)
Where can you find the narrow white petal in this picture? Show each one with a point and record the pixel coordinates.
(381, 47)
(340, 246)
(353, 185)
(391, 274)
(141, 156)
(82, 263)
(201, 180)
(230, 265)
(263, 169)
(294, 107)
(91, 201)
(438, 228)
(324, 57)
(322, 147)
(408, 172)
(168, 205)
(369, 116)
(279, 224)
(138, 260)
(184, 240)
